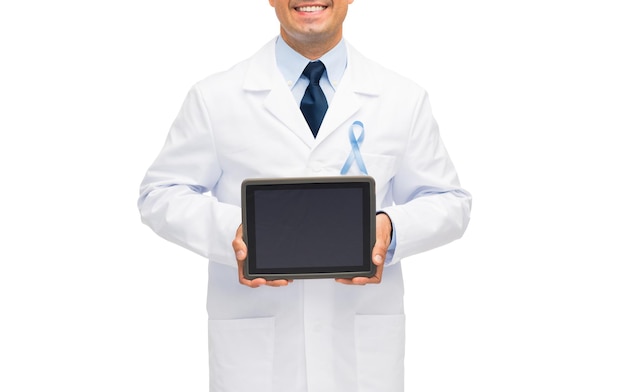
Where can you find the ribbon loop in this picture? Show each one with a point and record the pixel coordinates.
(355, 153)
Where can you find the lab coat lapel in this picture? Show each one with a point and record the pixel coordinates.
(356, 86)
(282, 105)
(264, 76)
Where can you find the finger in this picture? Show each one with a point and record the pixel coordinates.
(243, 280)
(378, 258)
(240, 254)
(277, 283)
(239, 246)
(363, 280)
(254, 283)
(379, 253)
(359, 280)
(349, 281)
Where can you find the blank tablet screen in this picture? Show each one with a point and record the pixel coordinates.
(308, 227)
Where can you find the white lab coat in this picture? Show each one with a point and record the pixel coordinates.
(313, 335)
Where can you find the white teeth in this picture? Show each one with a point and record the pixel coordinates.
(310, 8)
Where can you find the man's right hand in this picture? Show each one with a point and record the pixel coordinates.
(241, 253)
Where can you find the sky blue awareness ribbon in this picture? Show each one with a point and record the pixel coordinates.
(355, 154)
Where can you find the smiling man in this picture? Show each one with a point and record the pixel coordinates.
(306, 104)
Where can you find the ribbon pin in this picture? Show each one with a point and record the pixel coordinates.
(355, 154)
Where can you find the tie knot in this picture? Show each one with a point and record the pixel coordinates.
(314, 71)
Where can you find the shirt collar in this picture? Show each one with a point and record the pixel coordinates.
(292, 63)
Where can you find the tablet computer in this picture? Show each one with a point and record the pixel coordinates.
(311, 227)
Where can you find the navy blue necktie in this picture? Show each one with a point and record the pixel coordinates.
(314, 104)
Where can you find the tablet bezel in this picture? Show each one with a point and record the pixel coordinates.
(367, 186)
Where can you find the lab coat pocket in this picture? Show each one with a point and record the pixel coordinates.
(381, 167)
(241, 354)
(380, 352)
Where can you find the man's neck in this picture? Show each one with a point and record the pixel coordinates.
(312, 49)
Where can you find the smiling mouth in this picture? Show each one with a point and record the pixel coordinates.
(313, 8)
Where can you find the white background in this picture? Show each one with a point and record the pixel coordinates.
(531, 100)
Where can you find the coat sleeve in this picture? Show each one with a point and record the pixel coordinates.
(175, 195)
(429, 208)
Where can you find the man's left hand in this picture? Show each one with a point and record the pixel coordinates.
(383, 240)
